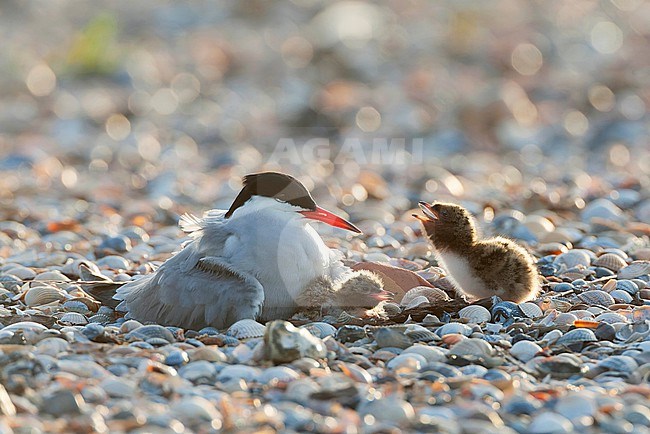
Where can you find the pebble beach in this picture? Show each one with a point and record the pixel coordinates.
(117, 120)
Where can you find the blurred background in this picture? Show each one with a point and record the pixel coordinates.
(155, 106)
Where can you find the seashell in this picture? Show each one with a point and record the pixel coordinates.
(596, 297)
(390, 337)
(624, 364)
(405, 363)
(176, 358)
(431, 354)
(21, 272)
(320, 329)
(52, 346)
(582, 314)
(100, 318)
(73, 318)
(525, 350)
(586, 323)
(454, 328)
(198, 371)
(573, 258)
(472, 347)
(119, 387)
(530, 310)
(192, 409)
(150, 332)
(344, 318)
(627, 286)
(621, 296)
(611, 261)
(357, 373)
(635, 269)
(277, 374)
(76, 306)
(433, 295)
(610, 318)
(405, 263)
(505, 310)
(565, 318)
(420, 300)
(246, 329)
(551, 337)
(632, 332)
(53, 275)
(577, 336)
(641, 313)
(443, 369)
(11, 282)
(417, 333)
(548, 422)
(609, 286)
(41, 295)
(475, 314)
(350, 333)
(208, 354)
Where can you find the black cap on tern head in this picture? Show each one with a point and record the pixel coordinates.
(276, 185)
(286, 188)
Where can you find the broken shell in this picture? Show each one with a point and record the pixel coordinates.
(577, 336)
(41, 295)
(475, 314)
(611, 261)
(621, 296)
(433, 295)
(635, 269)
(505, 310)
(531, 310)
(609, 286)
(596, 297)
(246, 329)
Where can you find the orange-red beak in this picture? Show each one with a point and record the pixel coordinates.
(323, 215)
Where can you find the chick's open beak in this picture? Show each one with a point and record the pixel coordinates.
(429, 212)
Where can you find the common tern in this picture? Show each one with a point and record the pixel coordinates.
(253, 260)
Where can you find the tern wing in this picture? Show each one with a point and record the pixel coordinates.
(193, 289)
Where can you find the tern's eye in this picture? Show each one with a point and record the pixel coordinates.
(444, 213)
